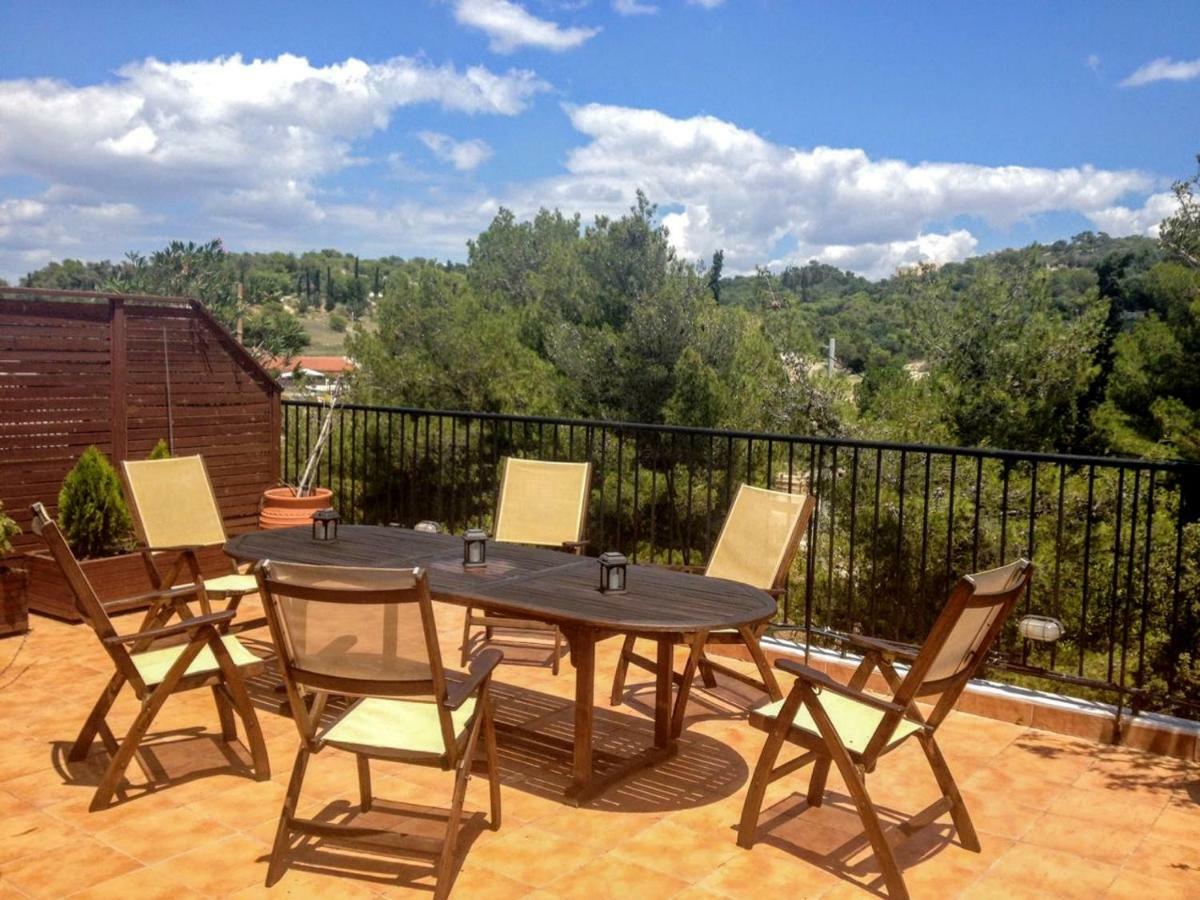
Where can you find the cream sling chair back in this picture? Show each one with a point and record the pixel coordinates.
(541, 504)
(756, 546)
(369, 634)
(842, 725)
(175, 513)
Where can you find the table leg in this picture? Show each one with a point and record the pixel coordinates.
(695, 644)
(662, 692)
(583, 655)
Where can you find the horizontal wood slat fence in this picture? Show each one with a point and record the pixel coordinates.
(122, 372)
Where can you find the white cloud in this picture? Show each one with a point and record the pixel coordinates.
(222, 144)
(1164, 69)
(1093, 62)
(1144, 221)
(463, 155)
(726, 187)
(707, 4)
(510, 26)
(633, 8)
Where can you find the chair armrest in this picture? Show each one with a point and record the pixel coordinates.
(185, 626)
(887, 649)
(576, 547)
(481, 668)
(824, 682)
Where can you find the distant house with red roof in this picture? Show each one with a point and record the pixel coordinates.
(309, 374)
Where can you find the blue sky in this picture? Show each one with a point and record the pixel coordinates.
(866, 134)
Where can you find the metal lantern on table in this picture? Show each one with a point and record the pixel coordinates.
(325, 525)
(474, 548)
(612, 572)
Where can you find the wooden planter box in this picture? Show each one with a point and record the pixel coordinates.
(112, 578)
(14, 601)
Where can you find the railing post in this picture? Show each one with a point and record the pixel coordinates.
(118, 357)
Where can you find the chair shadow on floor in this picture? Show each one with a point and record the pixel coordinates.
(830, 838)
(166, 759)
(406, 856)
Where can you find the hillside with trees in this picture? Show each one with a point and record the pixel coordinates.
(1086, 345)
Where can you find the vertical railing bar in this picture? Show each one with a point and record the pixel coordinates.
(853, 537)
(620, 482)
(921, 589)
(1005, 472)
(1146, 556)
(653, 496)
(833, 478)
(708, 502)
(691, 470)
(1127, 606)
(898, 570)
(1087, 559)
(1116, 571)
(978, 495)
(873, 604)
(637, 509)
(950, 521)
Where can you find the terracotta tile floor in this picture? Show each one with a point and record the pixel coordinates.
(1057, 816)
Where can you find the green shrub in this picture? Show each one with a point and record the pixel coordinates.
(8, 530)
(91, 510)
(160, 451)
(337, 322)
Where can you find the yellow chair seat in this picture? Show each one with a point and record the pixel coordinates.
(153, 665)
(855, 722)
(233, 583)
(407, 726)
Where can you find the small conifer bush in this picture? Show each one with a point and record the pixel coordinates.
(160, 451)
(91, 510)
(8, 530)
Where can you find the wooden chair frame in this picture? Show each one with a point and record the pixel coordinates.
(827, 747)
(200, 632)
(185, 562)
(748, 636)
(308, 693)
(491, 621)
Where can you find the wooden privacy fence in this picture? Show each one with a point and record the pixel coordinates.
(122, 372)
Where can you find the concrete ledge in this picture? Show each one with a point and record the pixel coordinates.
(1088, 719)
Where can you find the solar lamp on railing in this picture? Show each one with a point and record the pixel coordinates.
(1040, 629)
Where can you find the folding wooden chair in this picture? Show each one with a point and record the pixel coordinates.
(544, 504)
(207, 659)
(756, 546)
(843, 725)
(370, 634)
(175, 513)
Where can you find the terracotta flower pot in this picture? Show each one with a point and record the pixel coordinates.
(281, 508)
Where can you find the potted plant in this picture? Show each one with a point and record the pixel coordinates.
(286, 507)
(14, 604)
(96, 523)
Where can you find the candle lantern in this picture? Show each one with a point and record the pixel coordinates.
(428, 527)
(475, 548)
(612, 572)
(325, 525)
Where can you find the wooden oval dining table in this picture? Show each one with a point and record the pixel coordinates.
(658, 604)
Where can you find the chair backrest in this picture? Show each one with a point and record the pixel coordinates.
(541, 502)
(86, 601)
(963, 634)
(759, 538)
(355, 631)
(173, 502)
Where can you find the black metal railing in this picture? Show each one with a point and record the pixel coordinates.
(1116, 541)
